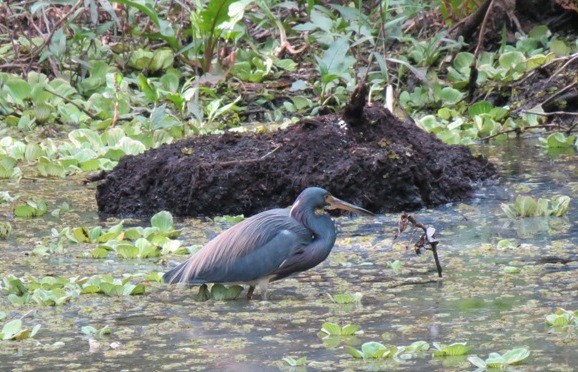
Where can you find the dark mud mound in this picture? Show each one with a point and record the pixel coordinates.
(375, 160)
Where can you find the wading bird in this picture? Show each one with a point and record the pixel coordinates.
(268, 246)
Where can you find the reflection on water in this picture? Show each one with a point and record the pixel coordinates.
(477, 300)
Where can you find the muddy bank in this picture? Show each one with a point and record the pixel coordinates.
(371, 158)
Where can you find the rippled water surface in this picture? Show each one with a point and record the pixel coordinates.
(476, 302)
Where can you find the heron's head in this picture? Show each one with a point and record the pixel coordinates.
(315, 198)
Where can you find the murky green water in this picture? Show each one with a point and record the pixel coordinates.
(476, 301)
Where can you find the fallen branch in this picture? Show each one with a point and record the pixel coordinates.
(426, 241)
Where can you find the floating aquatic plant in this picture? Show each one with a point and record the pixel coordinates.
(333, 334)
(562, 318)
(495, 360)
(54, 291)
(292, 362)
(346, 298)
(526, 206)
(220, 292)
(455, 349)
(5, 229)
(15, 330)
(32, 208)
(376, 350)
(92, 331)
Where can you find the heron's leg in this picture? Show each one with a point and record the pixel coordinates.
(204, 293)
(250, 292)
(263, 288)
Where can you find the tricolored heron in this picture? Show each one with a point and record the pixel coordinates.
(268, 246)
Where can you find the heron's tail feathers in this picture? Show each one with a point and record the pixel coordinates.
(176, 274)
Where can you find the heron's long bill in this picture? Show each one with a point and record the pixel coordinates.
(338, 203)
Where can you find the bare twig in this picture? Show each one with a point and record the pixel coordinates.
(552, 113)
(46, 41)
(573, 58)
(473, 67)
(558, 93)
(426, 241)
(68, 100)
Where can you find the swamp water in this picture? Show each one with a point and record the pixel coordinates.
(493, 297)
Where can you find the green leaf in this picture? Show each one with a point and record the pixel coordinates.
(214, 14)
(455, 349)
(511, 270)
(560, 205)
(331, 328)
(290, 361)
(450, 96)
(516, 356)
(127, 251)
(559, 140)
(221, 293)
(479, 108)
(35, 330)
(19, 90)
(99, 253)
(162, 59)
(32, 152)
(24, 211)
(11, 329)
(418, 346)
(346, 298)
(354, 352)
(525, 206)
(514, 61)
(373, 349)
(478, 362)
(559, 48)
(349, 329)
(163, 221)
(335, 60)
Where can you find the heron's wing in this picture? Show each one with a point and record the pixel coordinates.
(250, 250)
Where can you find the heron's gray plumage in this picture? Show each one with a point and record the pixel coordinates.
(268, 246)
(251, 249)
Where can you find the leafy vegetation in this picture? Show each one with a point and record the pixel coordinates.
(346, 298)
(292, 362)
(561, 318)
(135, 76)
(455, 349)
(15, 330)
(55, 291)
(134, 242)
(377, 350)
(495, 360)
(526, 206)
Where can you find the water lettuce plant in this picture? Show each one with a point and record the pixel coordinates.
(110, 286)
(334, 329)
(332, 334)
(5, 229)
(526, 206)
(377, 350)
(561, 318)
(495, 360)
(292, 362)
(92, 331)
(15, 330)
(455, 349)
(346, 298)
(32, 208)
(55, 291)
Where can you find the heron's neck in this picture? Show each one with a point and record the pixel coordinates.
(321, 225)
